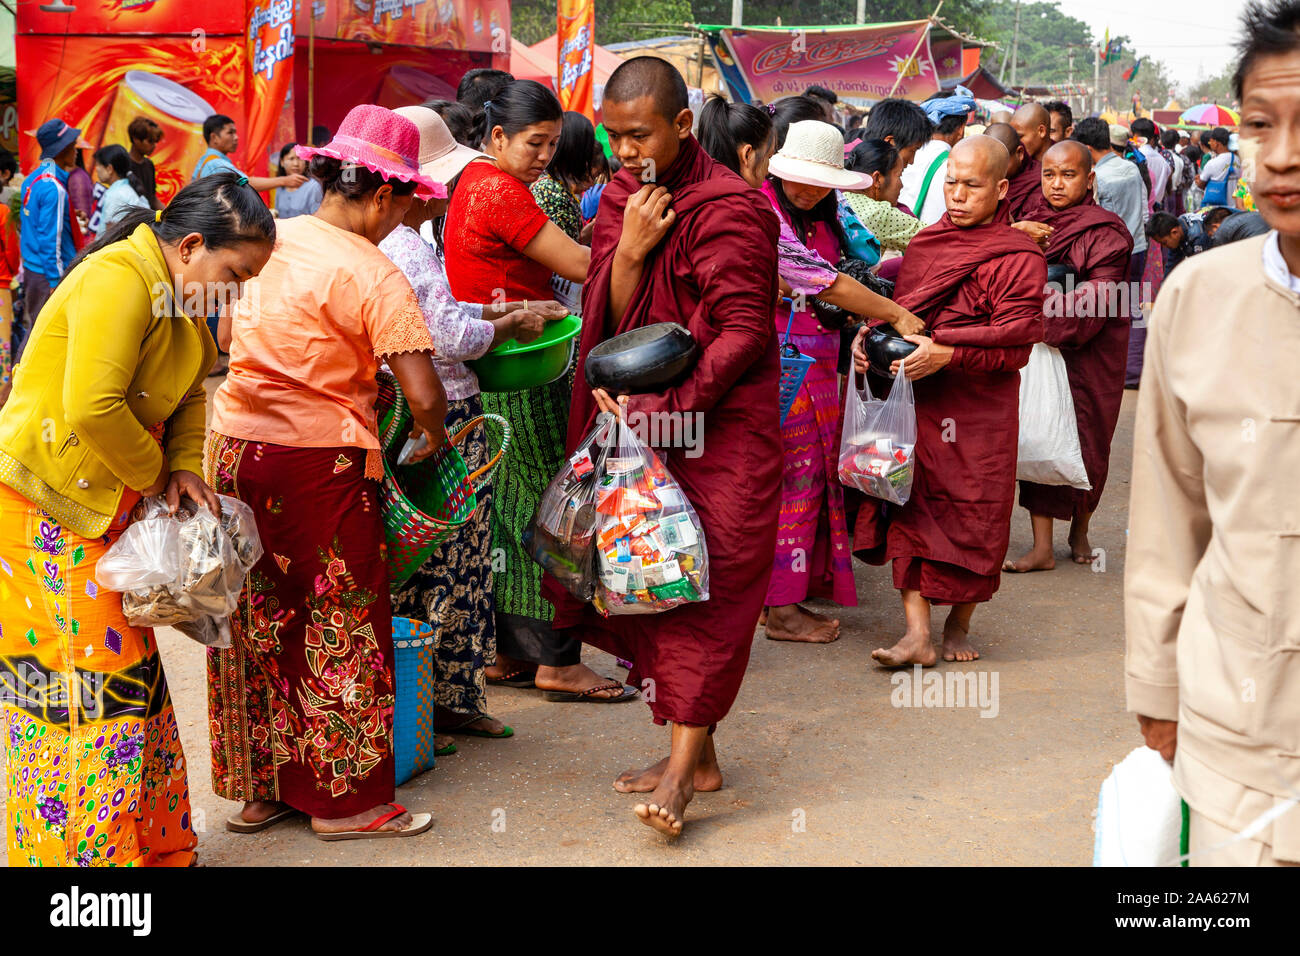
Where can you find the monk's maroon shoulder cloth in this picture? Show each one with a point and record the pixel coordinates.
(715, 273)
(1023, 187)
(979, 289)
(1088, 321)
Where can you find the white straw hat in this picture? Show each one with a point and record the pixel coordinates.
(441, 157)
(813, 154)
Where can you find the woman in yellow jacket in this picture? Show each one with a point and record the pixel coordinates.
(107, 405)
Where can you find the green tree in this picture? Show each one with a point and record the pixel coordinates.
(532, 21)
(1215, 89)
(1047, 36)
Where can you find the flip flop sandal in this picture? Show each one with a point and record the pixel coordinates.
(522, 678)
(464, 728)
(588, 696)
(420, 822)
(446, 751)
(237, 824)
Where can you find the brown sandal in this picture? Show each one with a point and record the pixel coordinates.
(588, 695)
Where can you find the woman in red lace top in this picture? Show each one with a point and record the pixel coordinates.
(500, 246)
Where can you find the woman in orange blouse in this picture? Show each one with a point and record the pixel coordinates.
(301, 705)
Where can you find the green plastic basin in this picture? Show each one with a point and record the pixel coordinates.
(514, 366)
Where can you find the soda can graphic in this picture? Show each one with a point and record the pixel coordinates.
(178, 110)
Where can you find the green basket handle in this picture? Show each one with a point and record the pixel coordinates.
(482, 476)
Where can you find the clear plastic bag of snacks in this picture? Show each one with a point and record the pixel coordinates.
(184, 570)
(562, 535)
(878, 450)
(650, 550)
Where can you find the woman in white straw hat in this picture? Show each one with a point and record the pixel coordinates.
(452, 591)
(814, 558)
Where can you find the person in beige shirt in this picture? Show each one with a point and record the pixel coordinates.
(1212, 583)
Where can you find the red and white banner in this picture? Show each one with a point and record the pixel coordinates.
(575, 42)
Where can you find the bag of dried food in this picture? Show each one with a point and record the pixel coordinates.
(184, 570)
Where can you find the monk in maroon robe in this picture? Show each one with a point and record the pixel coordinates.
(681, 238)
(1034, 124)
(978, 285)
(1087, 321)
(1024, 174)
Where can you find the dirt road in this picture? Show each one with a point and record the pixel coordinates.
(820, 766)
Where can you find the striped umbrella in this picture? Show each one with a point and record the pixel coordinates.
(1210, 114)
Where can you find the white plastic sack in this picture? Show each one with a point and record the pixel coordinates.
(1049, 451)
(878, 447)
(1139, 814)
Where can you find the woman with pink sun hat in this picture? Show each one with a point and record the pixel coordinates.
(301, 705)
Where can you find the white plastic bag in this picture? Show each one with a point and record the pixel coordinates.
(184, 570)
(562, 535)
(1049, 452)
(1139, 813)
(878, 448)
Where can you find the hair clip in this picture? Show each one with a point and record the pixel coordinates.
(771, 109)
(157, 216)
(241, 181)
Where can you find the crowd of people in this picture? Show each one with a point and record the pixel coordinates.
(414, 241)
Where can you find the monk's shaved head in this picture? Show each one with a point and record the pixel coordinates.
(1001, 116)
(1031, 114)
(1034, 124)
(1070, 151)
(976, 180)
(1067, 174)
(1006, 134)
(991, 155)
(652, 77)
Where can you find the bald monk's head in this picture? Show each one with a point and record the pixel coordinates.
(1034, 125)
(1001, 116)
(1006, 134)
(647, 115)
(1067, 174)
(976, 180)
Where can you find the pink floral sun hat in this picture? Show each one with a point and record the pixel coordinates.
(384, 143)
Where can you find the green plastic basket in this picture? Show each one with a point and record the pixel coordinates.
(426, 503)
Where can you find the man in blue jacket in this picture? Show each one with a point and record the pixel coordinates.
(48, 232)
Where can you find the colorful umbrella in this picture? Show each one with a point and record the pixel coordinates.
(1210, 114)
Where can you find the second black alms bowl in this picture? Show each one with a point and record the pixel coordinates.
(884, 347)
(642, 360)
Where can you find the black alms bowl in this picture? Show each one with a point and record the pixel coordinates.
(1057, 273)
(642, 360)
(884, 347)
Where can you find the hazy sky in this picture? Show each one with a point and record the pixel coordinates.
(1194, 38)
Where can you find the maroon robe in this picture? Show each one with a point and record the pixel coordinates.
(1091, 328)
(1024, 187)
(979, 289)
(715, 273)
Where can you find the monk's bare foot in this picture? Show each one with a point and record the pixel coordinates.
(913, 648)
(257, 811)
(1080, 547)
(708, 777)
(575, 679)
(762, 618)
(360, 820)
(957, 645)
(1031, 560)
(665, 811)
(796, 623)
